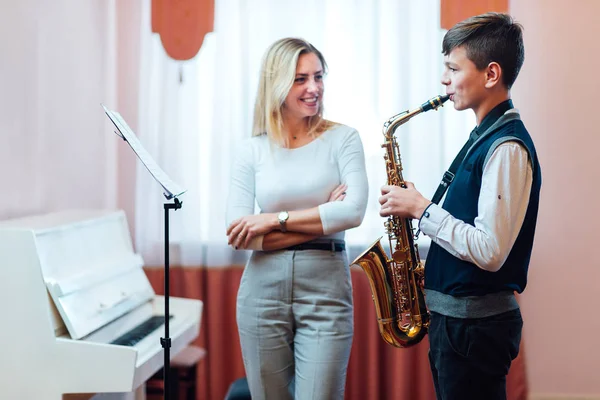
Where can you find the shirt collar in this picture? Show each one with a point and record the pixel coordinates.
(493, 116)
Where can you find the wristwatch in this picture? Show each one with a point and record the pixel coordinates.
(283, 217)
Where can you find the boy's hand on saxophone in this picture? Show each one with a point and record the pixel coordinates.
(404, 202)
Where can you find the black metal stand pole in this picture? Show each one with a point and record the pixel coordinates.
(166, 341)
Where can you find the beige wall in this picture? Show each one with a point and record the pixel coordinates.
(57, 65)
(556, 93)
(128, 76)
(60, 59)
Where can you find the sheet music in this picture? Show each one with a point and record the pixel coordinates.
(171, 189)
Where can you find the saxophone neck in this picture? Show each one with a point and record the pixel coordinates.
(399, 119)
(432, 104)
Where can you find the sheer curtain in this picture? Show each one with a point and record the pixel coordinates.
(384, 57)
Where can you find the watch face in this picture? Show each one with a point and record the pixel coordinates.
(283, 216)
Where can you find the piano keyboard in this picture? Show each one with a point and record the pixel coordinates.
(136, 334)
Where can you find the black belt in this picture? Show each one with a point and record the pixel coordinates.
(319, 246)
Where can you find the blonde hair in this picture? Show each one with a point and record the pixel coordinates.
(277, 76)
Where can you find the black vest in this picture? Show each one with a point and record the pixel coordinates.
(447, 274)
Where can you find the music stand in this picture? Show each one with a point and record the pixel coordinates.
(171, 191)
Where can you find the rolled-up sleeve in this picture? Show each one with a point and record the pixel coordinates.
(338, 216)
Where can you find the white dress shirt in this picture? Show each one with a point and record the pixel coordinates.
(503, 201)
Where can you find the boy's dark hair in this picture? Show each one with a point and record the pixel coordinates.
(490, 37)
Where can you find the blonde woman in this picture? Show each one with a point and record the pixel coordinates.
(307, 175)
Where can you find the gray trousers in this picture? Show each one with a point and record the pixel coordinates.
(295, 321)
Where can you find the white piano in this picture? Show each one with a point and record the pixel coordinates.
(73, 290)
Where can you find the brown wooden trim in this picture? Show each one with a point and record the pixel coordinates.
(454, 11)
(78, 396)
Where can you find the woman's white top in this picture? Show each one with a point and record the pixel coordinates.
(281, 179)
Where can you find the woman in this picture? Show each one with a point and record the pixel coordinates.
(307, 174)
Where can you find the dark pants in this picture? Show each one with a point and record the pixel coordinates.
(470, 358)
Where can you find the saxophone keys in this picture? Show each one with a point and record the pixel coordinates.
(420, 269)
(400, 256)
(388, 227)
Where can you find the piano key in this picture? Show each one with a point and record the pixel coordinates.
(141, 331)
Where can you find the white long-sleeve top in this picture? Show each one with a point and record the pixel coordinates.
(282, 179)
(503, 201)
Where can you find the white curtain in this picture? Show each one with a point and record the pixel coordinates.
(384, 57)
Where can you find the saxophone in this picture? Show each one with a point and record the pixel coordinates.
(396, 282)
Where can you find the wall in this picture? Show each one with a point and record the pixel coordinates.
(60, 60)
(556, 95)
(56, 146)
(128, 77)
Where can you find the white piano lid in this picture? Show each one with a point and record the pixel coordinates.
(89, 266)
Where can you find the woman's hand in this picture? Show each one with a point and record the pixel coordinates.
(243, 230)
(339, 193)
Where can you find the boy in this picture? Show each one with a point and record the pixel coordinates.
(483, 233)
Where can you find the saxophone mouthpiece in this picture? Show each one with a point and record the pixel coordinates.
(434, 103)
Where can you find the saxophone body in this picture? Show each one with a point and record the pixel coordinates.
(396, 281)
